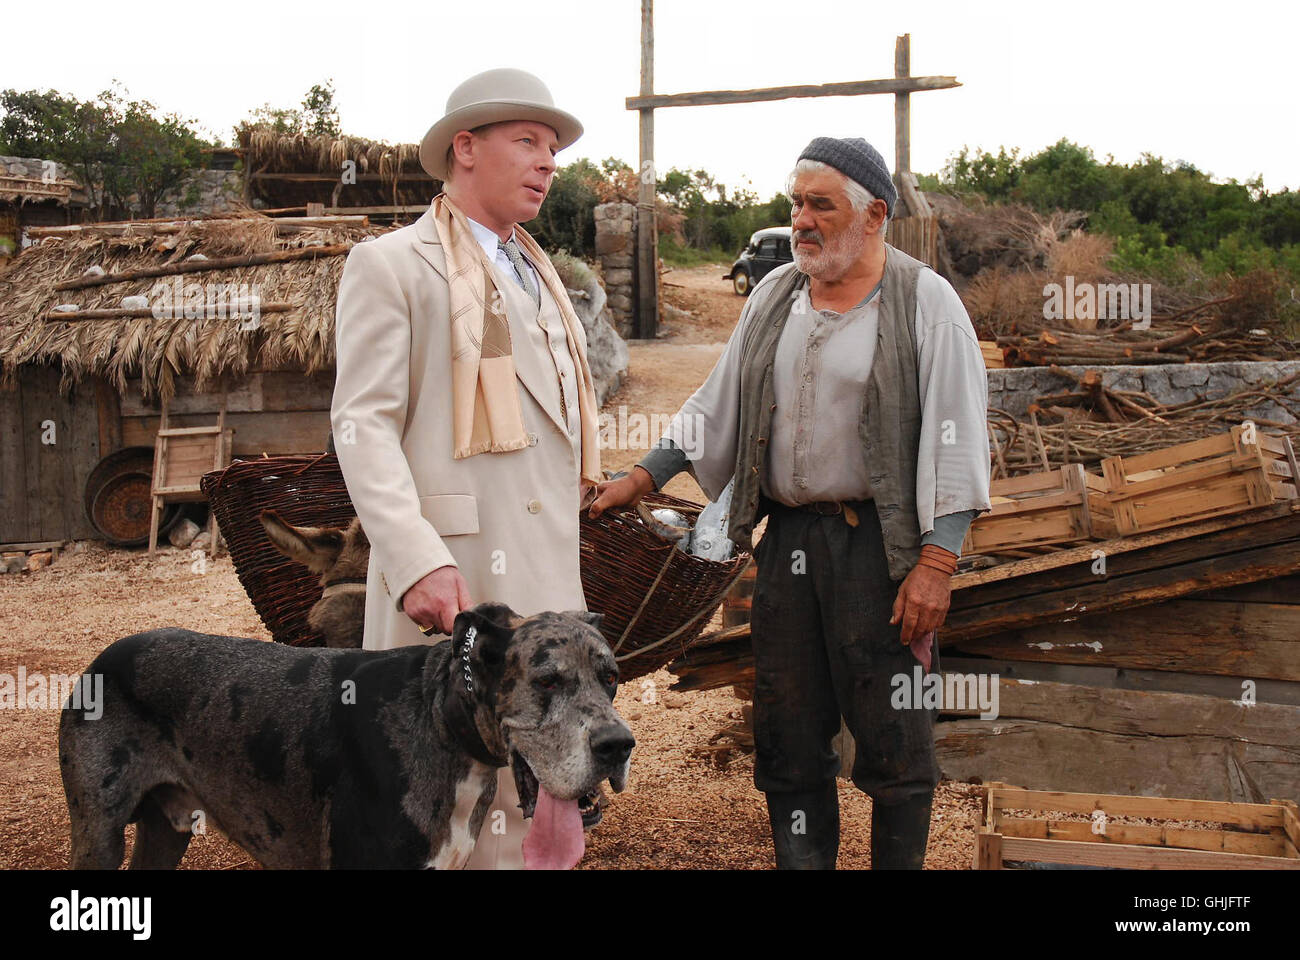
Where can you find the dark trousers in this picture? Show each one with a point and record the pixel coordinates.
(824, 648)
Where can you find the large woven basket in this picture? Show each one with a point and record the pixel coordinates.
(655, 598)
(304, 490)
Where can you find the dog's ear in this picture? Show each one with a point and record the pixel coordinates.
(317, 548)
(493, 626)
(586, 616)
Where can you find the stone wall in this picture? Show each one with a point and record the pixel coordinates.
(616, 249)
(203, 192)
(1013, 390)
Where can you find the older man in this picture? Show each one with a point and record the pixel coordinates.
(849, 407)
(464, 414)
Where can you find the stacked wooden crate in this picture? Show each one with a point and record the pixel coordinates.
(1227, 473)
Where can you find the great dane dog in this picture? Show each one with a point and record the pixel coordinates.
(346, 758)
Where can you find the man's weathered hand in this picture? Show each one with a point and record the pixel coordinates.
(436, 598)
(621, 492)
(922, 602)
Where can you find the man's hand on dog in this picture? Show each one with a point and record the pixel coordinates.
(436, 598)
(621, 492)
(922, 603)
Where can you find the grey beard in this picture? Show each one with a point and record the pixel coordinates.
(836, 256)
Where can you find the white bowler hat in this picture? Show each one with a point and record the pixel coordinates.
(490, 97)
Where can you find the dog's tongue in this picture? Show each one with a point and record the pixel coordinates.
(555, 840)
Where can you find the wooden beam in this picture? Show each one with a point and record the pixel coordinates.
(200, 266)
(149, 228)
(851, 89)
(129, 313)
(1135, 857)
(647, 232)
(902, 114)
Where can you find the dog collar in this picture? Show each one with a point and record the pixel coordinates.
(458, 717)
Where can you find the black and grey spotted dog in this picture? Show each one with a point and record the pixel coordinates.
(341, 758)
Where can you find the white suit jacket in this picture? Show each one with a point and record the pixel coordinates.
(509, 521)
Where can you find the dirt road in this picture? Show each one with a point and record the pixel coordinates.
(687, 805)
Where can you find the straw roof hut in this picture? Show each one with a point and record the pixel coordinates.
(364, 176)
(97, 383)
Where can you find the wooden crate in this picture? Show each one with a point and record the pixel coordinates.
(1223, 474)
(1035, 511)
(1228, 836)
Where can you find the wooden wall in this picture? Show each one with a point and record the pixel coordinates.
(1147, 701)
(41, 484)
(272, 412)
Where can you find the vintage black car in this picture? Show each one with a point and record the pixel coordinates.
(767, 250)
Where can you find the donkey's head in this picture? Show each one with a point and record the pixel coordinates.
(341, 557)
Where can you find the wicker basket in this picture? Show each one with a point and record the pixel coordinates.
(655, 598)
(303, 490)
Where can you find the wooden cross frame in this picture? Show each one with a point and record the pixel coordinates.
(901, 85)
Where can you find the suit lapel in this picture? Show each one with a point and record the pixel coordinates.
(531, 369)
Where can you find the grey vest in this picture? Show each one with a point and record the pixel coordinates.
(890, 423)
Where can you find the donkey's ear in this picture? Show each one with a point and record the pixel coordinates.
(317, 548)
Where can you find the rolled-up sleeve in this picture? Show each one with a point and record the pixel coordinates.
(953, 463)
(368, 414)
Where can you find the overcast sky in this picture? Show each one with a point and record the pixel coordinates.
(1213, 84)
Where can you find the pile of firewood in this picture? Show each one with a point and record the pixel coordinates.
(1095, 421)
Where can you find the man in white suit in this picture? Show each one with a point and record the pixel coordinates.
(463, 414)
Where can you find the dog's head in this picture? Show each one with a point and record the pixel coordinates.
(544, 688)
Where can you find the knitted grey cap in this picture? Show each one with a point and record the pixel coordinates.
(857, 160)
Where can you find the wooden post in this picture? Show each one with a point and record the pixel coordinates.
(647, 233)
(902, 108)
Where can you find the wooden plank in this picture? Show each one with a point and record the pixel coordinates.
(80, 457)
(1132, 857)
(14, 525)
(1123, 678)
(988, 850)
(1221, 841)
(1142, 713)
(1257, 816)
(1281, 523)
(1062, 757)
(255, 433)
(285, 390)
(851, 89)
(108, 408)
(1113, 548)
(1116, 592)
(47, 490)
(244, 394)
(1255, 640)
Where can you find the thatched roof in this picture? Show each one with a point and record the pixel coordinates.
(158, 350)
(386, 173)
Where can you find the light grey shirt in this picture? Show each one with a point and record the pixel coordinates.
(953, 461)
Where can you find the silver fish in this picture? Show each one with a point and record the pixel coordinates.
(709, 537)
(666, 524)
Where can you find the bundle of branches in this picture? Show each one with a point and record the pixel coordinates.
(1096, 421)
(1231, 326)
(980, 235)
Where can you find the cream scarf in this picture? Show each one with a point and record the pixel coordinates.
(486, 415)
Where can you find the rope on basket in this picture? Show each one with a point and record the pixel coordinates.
(646, 599)
(709, 607)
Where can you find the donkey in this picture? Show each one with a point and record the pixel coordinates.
(341, 557)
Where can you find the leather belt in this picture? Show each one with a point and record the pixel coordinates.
(823, 508)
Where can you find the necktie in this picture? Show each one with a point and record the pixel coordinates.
(522, 274)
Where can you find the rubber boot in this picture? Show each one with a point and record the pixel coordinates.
(899, 832)
(805, 828)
